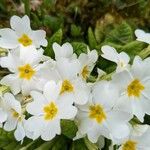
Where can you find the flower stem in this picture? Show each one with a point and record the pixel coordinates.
(145, 52)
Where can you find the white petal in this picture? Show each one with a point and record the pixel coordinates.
(12, 102)
(20, 25)
(65, 51)
(68, 113)
(81, 92)
(3, 115)
(51, 91)
(142, 36)
(68, 69)
(36, 107)
(51, 130)
(13, 82)
(19, 132)
(10, 124)
(39, 38)
(93, 56)
(8, 38)
(109, 53)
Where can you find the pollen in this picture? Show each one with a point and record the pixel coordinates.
(85, 72)
(129, 145)
(97, 112)
(25, 40)
(26, 72)
(135, 88)
(50, 111)
(66, 87)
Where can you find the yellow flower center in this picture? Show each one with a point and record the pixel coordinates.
(66, 87)
(25, 40)
(50, 111)
(129, 145)
(17, 115)
(26, 72)
(135, 88)
(97, 113)
(85, 72)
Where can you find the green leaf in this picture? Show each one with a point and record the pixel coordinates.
(75, 30)
(122, 34)
(79, 145)
(54, 23)
(56, 37)
(79, 47)
(68, 128)
(91, 38)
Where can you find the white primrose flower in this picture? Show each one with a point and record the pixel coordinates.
(121, 59)
(136, 141)
(64, 51)
(25, 70)
(98, 117)
(134, 87)
(21, 34)
(73, 88)
(87, 62)
(47, 110)
(15, 117)
(142, 36)
(3, 110)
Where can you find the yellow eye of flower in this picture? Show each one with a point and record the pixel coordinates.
(50, 111)
(85, 72)
(135, 88)
(129, 145)
(26, 72)
(25, 40)
(17, 115)
(66, 87)
(97, 113)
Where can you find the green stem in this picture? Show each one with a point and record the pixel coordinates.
(27, 7)
(145, 52)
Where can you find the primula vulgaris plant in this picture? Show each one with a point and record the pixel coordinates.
(40, 91)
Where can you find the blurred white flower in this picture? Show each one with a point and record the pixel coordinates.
(138, 142)
(98, 117)
(121, 59)
(87, 62)
(142, 36)
(64, 51)
(25, 70)
(47, 110)
(15, 117)
(134, 86)
(21, 34)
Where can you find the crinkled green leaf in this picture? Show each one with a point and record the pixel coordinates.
(75, 30)
(79, 47)
(91, 38)
(68, 128)
(121, 34)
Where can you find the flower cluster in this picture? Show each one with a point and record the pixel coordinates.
(43, 91)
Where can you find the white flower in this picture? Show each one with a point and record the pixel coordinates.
(134, 88)
(21, 34)
(16, 118)
(121, 59)
(3, 110)
(98, 117)
(25, 70)
(87, 62)
(64, 51)
(137, 142)
(47, 110)
(73, 87)
(142, 36)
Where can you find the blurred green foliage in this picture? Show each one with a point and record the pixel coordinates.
(81, 22)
